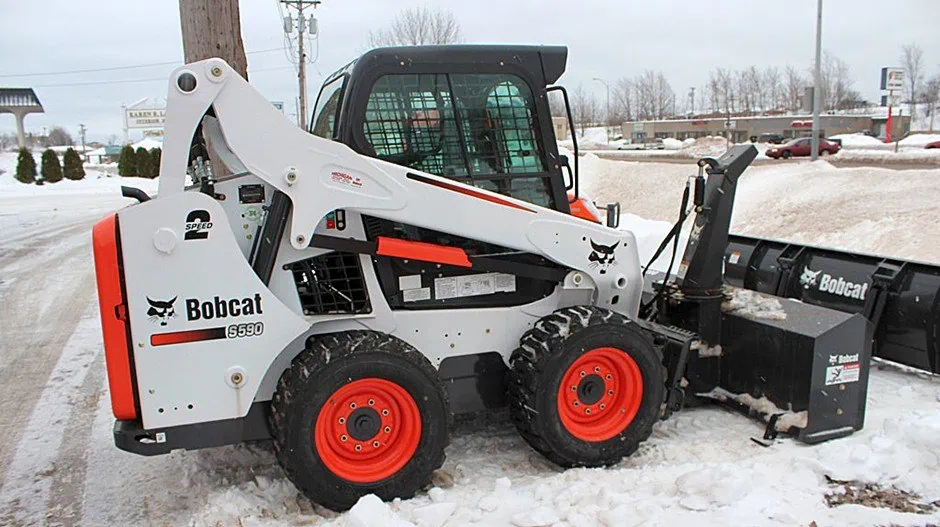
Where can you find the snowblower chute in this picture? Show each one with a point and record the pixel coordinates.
(901, 298)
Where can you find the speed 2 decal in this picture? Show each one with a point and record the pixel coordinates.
(602, 256)
(198, 224)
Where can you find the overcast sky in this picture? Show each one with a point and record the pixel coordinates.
(683, 38)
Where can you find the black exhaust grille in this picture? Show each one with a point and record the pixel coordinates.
(331, 284)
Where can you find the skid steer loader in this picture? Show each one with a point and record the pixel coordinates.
(347, 292)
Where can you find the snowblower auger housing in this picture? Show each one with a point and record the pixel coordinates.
(347, 303)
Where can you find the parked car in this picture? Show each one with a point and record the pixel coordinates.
(646, 144)
(774, 139)
(802, 147)
(935, 144)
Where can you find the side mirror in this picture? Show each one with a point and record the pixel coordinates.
(613, 215)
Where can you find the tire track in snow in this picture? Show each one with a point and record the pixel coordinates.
(30, 473)
(40, 310)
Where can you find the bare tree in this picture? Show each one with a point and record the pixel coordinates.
(585, 108)
(931, 95)
(59, 137)
(417, 26)
(773, 87)
(794, 82)
(836, 83)
(623, 102)
(212, 28)
(912, 59)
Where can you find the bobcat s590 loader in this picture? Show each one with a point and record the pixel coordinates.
(346, 295)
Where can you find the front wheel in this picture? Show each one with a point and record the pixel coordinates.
(824, 153)
(359, 412)
(586, 386)
(786, 154)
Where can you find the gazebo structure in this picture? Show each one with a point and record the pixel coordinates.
(19, 102)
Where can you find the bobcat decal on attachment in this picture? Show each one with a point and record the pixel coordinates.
(161, 310)
(602, 256)
(808, 277)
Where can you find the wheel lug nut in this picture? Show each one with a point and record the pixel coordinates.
(375, 444)
(597, 369)
(352, 405)
(623, 410)
(574, 388)
(582, 374)
(358, 448)
(576, 403)
(603, 406)
(388, 429)
(371, 402)
(610, 392)
(385, 412)
(343, 438)
(587, 411)
(342, 420)
(608, 377)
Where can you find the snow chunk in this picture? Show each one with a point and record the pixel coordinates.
(370, 511)
(754, 305)
(763, 406)
(433, 515)
(540, 517)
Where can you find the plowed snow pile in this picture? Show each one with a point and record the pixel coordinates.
(874, 210)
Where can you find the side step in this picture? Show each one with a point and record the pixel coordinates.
(901, 298)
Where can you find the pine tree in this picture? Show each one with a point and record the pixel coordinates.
(25, 167)
(51, 168)
(143, 162)
(74, 169)
(127, 163)
(155, 155)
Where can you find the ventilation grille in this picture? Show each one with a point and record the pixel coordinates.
(331, 284)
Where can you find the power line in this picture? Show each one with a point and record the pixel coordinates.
(129, 81)
(117, 68)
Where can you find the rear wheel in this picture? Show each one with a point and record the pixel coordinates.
(824, 153)
(586, 386)
(359, 412)
(786, 154)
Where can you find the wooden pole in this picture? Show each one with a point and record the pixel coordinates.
(212, 28)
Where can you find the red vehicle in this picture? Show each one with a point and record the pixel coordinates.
(935, 144)
(802, 147)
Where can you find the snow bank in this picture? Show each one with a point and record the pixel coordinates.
(859, 141)
(919, 140)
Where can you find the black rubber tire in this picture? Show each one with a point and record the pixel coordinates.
(786, 154)
(330, 362)
(539, 364)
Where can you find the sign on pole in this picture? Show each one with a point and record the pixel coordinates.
(892, 79)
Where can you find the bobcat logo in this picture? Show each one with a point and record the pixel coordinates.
(161, 310)
(602, 256)
(808, 277)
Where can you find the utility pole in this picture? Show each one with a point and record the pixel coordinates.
(81, 132)
(692, 100)
(302, 24)
(212, 28)
(817, 84)
(607, 115)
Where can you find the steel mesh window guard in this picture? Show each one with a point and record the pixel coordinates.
(331, 283)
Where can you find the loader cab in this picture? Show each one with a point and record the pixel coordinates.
(475, 114)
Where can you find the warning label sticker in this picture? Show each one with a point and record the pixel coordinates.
(416, 295)
(734, 258)
(473, 285)
(843, 373)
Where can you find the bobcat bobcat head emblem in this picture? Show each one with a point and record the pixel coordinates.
(808, 277)
(161, 310)
(602, 256)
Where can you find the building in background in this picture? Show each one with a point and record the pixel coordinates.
(742, 129)
(19, 102)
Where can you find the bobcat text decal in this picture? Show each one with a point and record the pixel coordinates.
(833, 285)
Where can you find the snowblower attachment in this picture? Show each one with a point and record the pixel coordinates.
(803, 369)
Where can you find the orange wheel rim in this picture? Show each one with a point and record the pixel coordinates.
(367, 430)
(600, 394)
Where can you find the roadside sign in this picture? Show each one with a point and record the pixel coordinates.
(892, 79)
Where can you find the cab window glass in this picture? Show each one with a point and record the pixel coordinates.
(324, 114)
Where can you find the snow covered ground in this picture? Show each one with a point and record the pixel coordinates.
(59, 467)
